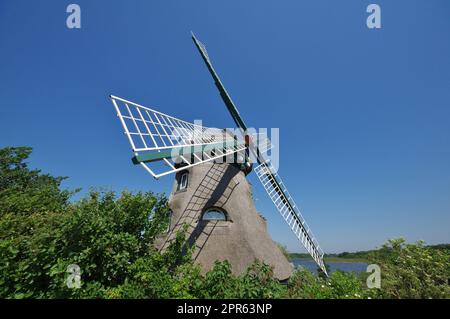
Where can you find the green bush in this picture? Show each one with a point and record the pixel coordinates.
(340, 285)
(41, 233)
(412, 270)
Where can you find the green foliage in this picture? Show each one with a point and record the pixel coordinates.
(258, 282)
(340, 285)
(412, 270)
(106, 236)
(112, 239)
(25, 191)
(219, 283)
(41, 233)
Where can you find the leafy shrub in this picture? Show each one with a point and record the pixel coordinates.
(258, 282)
(340, 285)
(412, 270)
(41, 233)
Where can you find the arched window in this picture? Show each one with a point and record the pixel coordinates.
(214, 214)
(183, 181)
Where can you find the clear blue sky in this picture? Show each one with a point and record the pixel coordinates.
(364, 115)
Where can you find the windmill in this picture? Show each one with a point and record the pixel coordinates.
(211, 193)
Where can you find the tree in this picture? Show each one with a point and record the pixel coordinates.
(42, 233)
(23, 190)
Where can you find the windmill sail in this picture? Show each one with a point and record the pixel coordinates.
(267, 175)
(223, 92)
(287, 208)
(158, 137)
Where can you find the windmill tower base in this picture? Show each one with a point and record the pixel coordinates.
(215, 201)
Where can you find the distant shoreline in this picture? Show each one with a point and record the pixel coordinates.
(333, 259)
(353, 257)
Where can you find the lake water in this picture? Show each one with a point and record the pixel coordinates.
(311, 265)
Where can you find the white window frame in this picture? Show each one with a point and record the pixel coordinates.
(184, 179)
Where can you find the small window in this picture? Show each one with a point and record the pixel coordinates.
(169, 214)
(214, 214)
(183, 182)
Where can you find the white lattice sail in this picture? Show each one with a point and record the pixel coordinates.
(156, 137)
(289, 210)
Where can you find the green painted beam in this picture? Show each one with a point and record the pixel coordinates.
(181, 150)
(223, 92)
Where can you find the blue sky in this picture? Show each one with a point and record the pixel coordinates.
(364, 115)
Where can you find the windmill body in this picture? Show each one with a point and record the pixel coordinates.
(215, 201)
(211, 194)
